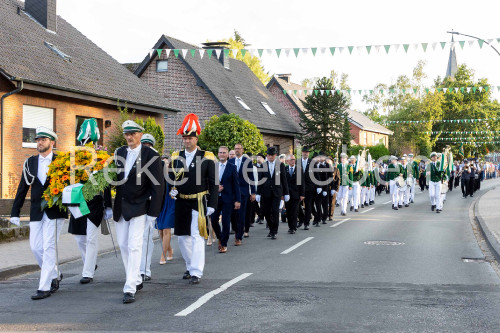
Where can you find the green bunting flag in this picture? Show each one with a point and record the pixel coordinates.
(159, 52)
(284, 91)
(193, 52)
(368, 48)
(243, 52)
(387, 47)
(296, 51)
(176, 52)
(332, 50)
(278, 52)
(260, 52)
(462, 43)
(209, 53)
(480, 41)
(314, 49)
(350, 49)
(424, 46)
(443, 44)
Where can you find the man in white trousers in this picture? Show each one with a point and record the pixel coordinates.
(46, 224)
(194, 187)
(435, 177)
(393, 171)
(404, 195)
(345, 173)
(414, 172)
(139, 197)
(355, 192)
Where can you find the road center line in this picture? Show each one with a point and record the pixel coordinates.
(205, 298)
(385, 203)
(339, 223)
(367, 210)
(297, 245)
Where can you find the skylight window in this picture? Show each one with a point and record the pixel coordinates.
(61, 54)
(268, 108)
(243, 104)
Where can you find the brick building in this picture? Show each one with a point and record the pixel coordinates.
(365, 132)
(211, 86)
(51, 75)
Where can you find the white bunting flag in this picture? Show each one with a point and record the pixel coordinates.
(377, 48)
(341, 49)
(468, 89)
(322, 50)
(321, 92)
(395, 47)
(269, 51)
(360, 49)
(235, 52)
(434, 46)
(456, 90)
(202, 51)
(480, 89)
(184, 52)
(167, 52)
(151, 53)
(304, 50)
(217, 53)
(287, 52)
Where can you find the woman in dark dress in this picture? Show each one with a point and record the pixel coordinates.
(165, 222)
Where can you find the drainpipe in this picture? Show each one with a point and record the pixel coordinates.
(20, 86)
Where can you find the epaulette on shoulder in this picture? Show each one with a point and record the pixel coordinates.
(209, 155)
(175, 154)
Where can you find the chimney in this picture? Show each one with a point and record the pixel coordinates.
(44, 11)
(285, 77)
(223, 58)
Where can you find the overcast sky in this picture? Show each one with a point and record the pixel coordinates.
(127, 29)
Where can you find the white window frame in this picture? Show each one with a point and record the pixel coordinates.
(268, 108)
(29, 112)
(242, 103)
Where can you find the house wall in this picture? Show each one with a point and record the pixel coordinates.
(357, 133)
(285, 143)
(179, 86)
(285, 102)
(65, 112)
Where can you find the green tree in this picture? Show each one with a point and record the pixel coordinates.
(376, 151)
(253, 62)
(229, 129)
(323, 120)
(347, 137)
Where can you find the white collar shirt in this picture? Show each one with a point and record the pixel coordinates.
(132, 155)
(190, 156)
(43, 167)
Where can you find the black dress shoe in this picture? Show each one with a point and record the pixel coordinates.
(438, 210)
(40, 294)
(337, 205)
(356, 210)
(352, 208)
(300, 224)
(362, 206)
(274, 236)
(194, 280)
(317, 224)
(54, 286)
(433, 207)
(145, 277)
(85, 280)
(269, 235)
(139, 287)
(400, 206)
(293, 231)
(323, 222)
(306, 227)
(395, 208)
(128, 298)
(289, 231)
(186, 275)
(407, 205)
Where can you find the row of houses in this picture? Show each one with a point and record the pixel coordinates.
(52, 75)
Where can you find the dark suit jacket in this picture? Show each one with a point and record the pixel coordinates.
(306, 175)
(275, 185)
(132, 197)
(325, 176)
(244, 185)
(37, 190)
(231, 191)
(187, 184)
(296, 190)
(96, 206)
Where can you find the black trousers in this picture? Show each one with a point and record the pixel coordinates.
(422, 181)
(457, 181)
(271, 209)
(464, 185)
(323, 209)
(308, 203)
(472, 182)
(450, 183)
(250, 214)
(225, 209)
(292, 211)
(318, 205)
(234, 220)
(330, 210)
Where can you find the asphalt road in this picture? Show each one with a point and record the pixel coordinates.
(334, 282)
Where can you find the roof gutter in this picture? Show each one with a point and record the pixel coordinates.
(20, 86)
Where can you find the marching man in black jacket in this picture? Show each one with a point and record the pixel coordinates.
(46, 224)
(273, 187)
(192, 176)
(138, 200)
(297, 194)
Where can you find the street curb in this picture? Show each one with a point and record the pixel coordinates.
(491, 240)
(10, 272)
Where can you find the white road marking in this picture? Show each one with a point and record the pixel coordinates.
(385, 203)
(205, 298)
(297, 245)
(339, 223)
(367, 210)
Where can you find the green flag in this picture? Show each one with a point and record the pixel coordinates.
(350, 49)
(243, 52)
(314, 49)
(424, 46)
(387, 47)
(462, 43)
(296, 51)
(368, 49)
(176, 52)
(159, 52)
(406, 46)
(209, 53)
(260, 52)
(192, 51)
(278, 52)
(480, 41)
(332, 50)
(443, 44)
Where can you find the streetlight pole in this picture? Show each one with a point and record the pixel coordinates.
(458, 33)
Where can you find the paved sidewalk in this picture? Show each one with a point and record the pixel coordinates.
(17, 257)
(487, 211)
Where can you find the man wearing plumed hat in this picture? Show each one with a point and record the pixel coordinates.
(139, 196)
(45, 223)
(192, 176)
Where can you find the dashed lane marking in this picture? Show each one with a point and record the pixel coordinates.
(297, 245)
(339, 223)
(367, 210)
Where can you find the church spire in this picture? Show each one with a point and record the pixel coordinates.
(452, 60)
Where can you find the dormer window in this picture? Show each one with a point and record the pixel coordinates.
(268, 108)
(162, 66)
(243, 104)
(61, 54)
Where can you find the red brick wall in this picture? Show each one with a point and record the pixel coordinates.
(285, 102)
(285, 143)
(178, 85)
(359, 137)
(65, 112)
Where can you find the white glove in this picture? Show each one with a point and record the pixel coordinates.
(257, 198)
(324, 193)
(108, 213)
(318, 190)
(287, 197)
(210, 211)
(173, 193)
(282, 203)
(151, 220)
(16, 221)
(332, 192)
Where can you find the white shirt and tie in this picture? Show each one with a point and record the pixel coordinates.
(271, 168)
(132, 155)
(43, 167)
(291, 169)
(304, 165)
(238, 163)
(190, 156)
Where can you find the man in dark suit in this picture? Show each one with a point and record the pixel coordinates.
(193, 185)
(325, 177)
(229, 198)
(310, 188)
(297, 192)
(138, 200)
(273, 188)
(244, 168)
(45, 224)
